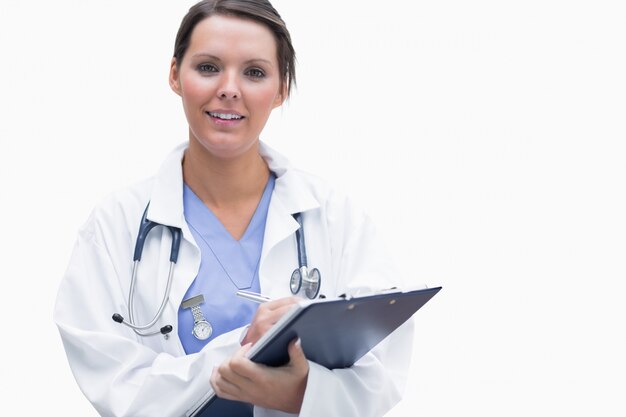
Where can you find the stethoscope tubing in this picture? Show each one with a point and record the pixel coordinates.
(144, 229)
(302, 260)
(131, 296)
(311, 277)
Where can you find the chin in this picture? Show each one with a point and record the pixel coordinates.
(226, 148)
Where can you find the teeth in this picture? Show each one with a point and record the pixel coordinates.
(225, 116)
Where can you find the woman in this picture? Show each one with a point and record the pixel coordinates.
(234, 199)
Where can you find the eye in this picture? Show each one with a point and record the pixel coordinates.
(255, 73)
(207, 68)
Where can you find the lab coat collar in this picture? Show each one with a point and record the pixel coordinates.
(294, 194)
(291, 193)
(166, 200)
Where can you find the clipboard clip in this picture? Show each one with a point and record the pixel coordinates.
(348, 296)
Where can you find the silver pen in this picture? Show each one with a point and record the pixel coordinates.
(253, 296)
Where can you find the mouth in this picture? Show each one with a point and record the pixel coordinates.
(225, 116)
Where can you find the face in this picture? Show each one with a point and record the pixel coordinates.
(229, 82)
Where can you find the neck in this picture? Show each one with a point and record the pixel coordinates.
(224, 182)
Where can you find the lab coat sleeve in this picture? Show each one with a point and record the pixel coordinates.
(119, 375)
(372, 386)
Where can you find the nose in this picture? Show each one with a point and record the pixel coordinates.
(229, 87)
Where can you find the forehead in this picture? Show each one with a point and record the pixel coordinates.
(231, 36)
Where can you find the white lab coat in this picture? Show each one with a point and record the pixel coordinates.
(123, 374)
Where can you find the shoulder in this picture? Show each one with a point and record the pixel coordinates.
(304, 189)
(333, 206)
(333, 199)
(121, 210)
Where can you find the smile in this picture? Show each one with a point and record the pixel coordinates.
(225, 116)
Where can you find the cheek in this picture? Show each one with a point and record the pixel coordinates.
(195, 89)
(264, 99)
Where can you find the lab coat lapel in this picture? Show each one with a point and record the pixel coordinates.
(275, 257)
(291, 195)
(166, 207)
(279, 225)
(166, 199)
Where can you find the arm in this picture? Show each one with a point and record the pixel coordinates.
(117, 373)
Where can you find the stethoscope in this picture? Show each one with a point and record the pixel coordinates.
(302, 279)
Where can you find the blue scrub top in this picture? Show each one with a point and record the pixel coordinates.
(226, 266)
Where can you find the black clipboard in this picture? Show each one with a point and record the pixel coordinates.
(335, 333)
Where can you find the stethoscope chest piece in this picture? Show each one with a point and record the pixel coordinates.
(296, 281)
(303, 279)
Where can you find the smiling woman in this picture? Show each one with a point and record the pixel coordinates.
(229, 81)
(231, 203)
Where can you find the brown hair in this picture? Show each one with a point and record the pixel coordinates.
(260, 11)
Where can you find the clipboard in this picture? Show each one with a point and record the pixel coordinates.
(335, 333)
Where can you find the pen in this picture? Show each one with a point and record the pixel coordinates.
(252, 296)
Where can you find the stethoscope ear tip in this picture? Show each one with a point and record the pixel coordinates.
(166, 329)
(117, 318)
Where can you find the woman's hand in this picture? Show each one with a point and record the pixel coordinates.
(278, 388)
(266, 316)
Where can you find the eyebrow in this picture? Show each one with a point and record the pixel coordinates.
(249, 61)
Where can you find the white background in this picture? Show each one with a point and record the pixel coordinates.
(486, 139)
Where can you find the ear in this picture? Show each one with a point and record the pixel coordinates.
(280, 97)
(174, 78)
